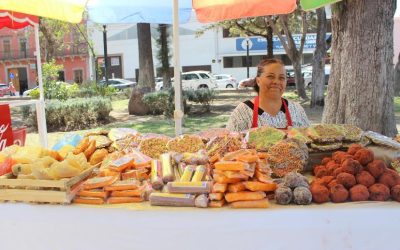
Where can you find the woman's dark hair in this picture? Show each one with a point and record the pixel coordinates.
(260, 69)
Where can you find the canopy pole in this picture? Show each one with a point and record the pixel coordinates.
(40, 105)
(178, 114)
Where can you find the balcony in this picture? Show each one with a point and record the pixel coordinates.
(67, 50)
(16, 54)
(73, 50)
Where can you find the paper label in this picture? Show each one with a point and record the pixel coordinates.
(189, 184)
(168, 195)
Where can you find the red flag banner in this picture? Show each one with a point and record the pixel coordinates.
(6, 133)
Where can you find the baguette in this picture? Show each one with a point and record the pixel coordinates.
(89, 200)
(236, 187)
(259, 186)
(98, 193)
(251, 204)
(219, 188)
(244, 196)
(216, 204)
(118, 200)
(216, 196)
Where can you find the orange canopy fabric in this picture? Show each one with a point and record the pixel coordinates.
(218, 10)
(15, 20)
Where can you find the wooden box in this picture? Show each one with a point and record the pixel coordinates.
(46, 191)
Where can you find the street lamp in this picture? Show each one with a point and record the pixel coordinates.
(105, 53)
(247, 56)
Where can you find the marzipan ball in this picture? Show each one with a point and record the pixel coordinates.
(294, 180)
(325, 160)
(365, 178)
(322, 172)
(359, 193)
(332, 183)
(376, 168)
(346, 179)
(338, 156)
(302, 196)
(332, 167)
(326, 179)
(318, 168)
(379, 192)
(351, 166)
(283, 195)
(337, 171)
(396, 193)
(320, 194)
(389, 178)
(354, 148)
(364, 156)
(338, 193)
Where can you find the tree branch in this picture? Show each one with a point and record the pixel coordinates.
(304, 33)
(275, 29)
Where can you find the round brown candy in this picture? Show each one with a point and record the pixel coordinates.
(359, 193)
(346, 179)
(379, 192)
(365, 178)
(338, 193)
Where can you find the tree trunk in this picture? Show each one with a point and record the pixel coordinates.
(270, 42)
(397, 77)
(146, 71)
(298, 76)
(360, 90)
(318, 73)
(164, 54)
(146, 66)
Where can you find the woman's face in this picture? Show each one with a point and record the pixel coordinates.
(273, 80)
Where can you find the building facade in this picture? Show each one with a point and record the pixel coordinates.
(18, 59)
(214, 50)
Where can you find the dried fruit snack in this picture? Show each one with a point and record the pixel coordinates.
(325, 133)
(154, 147)
(186, 143)
(265, 137)
(286, 156)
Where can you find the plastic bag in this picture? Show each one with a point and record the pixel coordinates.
(67, 139)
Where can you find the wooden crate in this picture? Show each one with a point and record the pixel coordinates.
(46, 191)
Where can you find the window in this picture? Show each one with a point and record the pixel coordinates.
(7, 48)
(78, 75)
(61, 76)
(204, 76)
(23, 47)
(190, 77)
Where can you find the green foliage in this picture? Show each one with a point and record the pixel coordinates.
(78, 113)
(163, 102)
(53, 33)
(92, 89)
(202, 96)
(157, 101)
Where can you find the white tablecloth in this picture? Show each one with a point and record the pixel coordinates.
(330, 226)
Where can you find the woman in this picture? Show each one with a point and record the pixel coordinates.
(268, 108)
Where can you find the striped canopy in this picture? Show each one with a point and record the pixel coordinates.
(15, 20)
(148, 11)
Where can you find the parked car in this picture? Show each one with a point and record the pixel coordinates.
(246, 83)
(27, 92)
(4, 89)
(118, 83)
(198, 80)
(226, 81)
(159, 83)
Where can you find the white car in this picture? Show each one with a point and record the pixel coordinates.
(159, 84)
(226, 81)
(27, 92)
(198, 80)
(118, 83)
